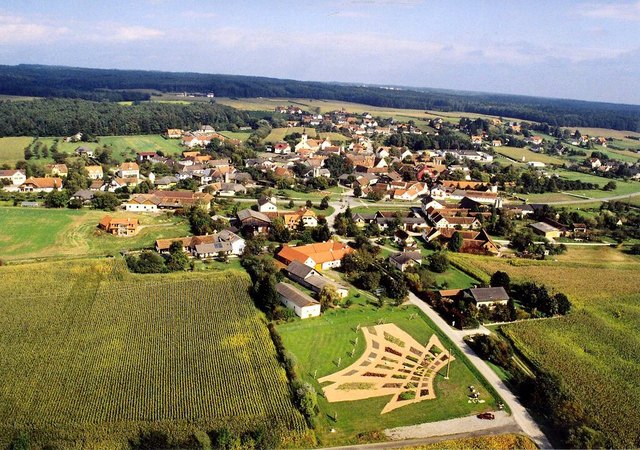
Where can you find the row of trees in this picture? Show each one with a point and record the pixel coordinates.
(119, 85)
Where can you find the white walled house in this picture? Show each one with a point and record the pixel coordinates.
(15, 177)
(303, 305)
(266, 204)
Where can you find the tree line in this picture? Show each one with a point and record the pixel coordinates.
(64, 117)
(34, 80)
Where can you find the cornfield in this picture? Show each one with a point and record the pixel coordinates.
(91, 351)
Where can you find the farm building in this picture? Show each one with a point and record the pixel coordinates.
(311, 279)
(119, 227)
(324, 255)
(303, 305)
(546, 230)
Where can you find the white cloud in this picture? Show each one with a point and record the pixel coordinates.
(131, 33)
(16, 30)
(628, 11)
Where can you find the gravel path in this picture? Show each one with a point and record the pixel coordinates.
(453, 426)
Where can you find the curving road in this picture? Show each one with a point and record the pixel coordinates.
(520, 414)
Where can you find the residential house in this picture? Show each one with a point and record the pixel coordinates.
(56, 170)
(473, 242)
(142, 203)
(129, 170)
(253, 221)
(83, 195)
(12, 177)
(488, 297)
(293, 219)
(166, 182)
(404, 260)
(267, 204)
(302, 304)
(84, 151)
(94, 172)
(41, 184)
(119, 227)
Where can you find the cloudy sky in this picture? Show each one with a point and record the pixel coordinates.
(571, 49)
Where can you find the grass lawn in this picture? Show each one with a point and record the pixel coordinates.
(317, 344)
(53, 233)
(455, 279)
(518, 153)
(127, 146)
(240, 135)
(623, 187)
(12, 149)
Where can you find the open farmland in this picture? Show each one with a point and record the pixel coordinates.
(595, 350)
(53, 233)
(89, 350)
(333, 336)
(518, 153)
(12, 149)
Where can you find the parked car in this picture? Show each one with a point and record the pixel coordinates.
(486, 416)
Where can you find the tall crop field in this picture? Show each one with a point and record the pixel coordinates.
(90, 352)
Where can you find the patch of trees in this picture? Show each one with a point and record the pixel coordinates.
(63, 117)
(532, 183)
(114, 85)
(544, 394)
(529, 245)
(149, 261)
(366, 270)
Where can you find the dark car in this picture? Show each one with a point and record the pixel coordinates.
(486, 416)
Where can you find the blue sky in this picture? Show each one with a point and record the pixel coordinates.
(572, 49)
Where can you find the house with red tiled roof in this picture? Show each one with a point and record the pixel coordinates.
(41, 184)
(119, 227)
(323, 255)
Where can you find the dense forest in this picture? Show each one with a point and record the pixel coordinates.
(65, 117)
(115, 85)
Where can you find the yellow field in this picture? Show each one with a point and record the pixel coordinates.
(322, 106)
(12, 149)
(497, 442)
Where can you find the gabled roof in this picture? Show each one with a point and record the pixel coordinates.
(320, 253)
(245, 214)
(44, 183)
(490, 294)
(299, 270)
(405, 257)
(295, 295)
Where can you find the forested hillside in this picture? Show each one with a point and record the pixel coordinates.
(64, 117)
(115, 85)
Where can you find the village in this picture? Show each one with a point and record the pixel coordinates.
(414, 204)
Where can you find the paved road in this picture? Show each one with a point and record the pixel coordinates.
(520, 414)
